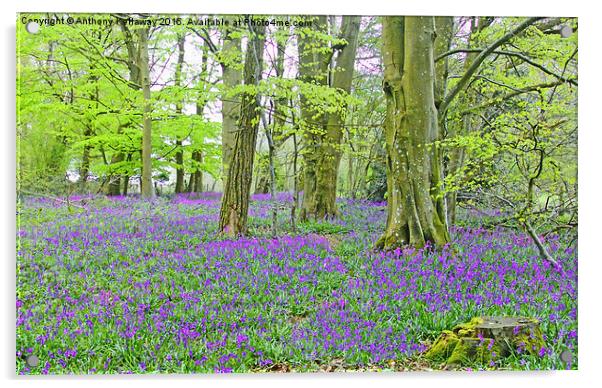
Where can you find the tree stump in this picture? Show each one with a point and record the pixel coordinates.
(486, 339)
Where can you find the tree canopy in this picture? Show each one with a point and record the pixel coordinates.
(126, 105)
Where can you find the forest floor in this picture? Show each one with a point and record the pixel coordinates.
(122, 285)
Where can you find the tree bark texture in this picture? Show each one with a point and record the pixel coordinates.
(323, 134)
(195, 184)
(232, 78)
(235, 201)
(143, 64)
(415, 213)
(180, 151)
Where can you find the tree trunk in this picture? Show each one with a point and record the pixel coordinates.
(444, 28)
(231, 76)
(147, 177)
(177, 83)
(197, 176)
(313, 68)
(195, 185)
(85, 166)
(88, 132)
(350, 179)
(322, 156)
(271, 181)
(457, 155)
(295, 182)
(134, 69)
(342, 80)
(115, 180)
(126, 184)
(415, 215)
(180, 168)
(235, 201)
(126, 178)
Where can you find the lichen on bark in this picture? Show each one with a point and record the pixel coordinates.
(415, 212)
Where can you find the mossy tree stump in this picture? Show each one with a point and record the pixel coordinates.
(486, 339)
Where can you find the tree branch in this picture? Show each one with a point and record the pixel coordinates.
(479, 59)
(521, 56)
(528, 89)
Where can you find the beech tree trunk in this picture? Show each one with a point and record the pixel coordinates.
(180, 151)
(235, 201)
(88, 132)
(331, 155)
(416, 215)
(313, 68)
(324, 133)
(231, 76)
(147, 177)
(134, 69)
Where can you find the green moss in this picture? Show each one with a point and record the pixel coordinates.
(468, 329)
(529, 340)
(443, 347)
(465, 344)
(464, 352)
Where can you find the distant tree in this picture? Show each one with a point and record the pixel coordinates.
(178, 83)
(231, 63)
(143, 65)
(323, 127)
(235, 201)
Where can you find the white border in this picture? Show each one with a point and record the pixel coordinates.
(590, 65)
